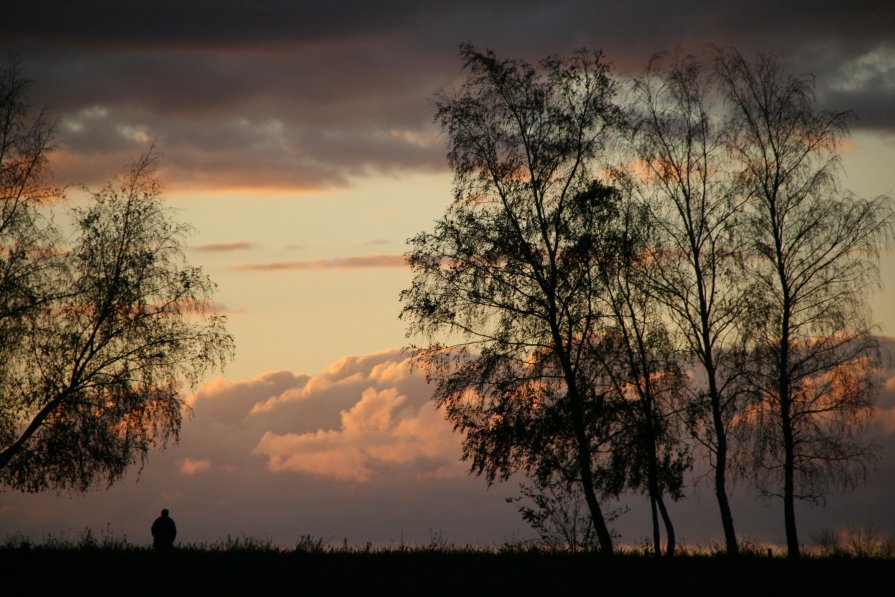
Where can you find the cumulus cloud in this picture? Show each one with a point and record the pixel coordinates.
(380, 432)
(225, 401)
(358, 451)
(216, 481)
(355, 262)
(362, 417)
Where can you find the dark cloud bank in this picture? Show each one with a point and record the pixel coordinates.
(311, 94)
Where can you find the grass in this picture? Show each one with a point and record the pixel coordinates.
(105, 565)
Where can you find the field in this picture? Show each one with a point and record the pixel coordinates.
(311, 568)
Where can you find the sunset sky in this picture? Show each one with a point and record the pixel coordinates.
(298, 139)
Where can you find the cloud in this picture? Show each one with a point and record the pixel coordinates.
(356, 262)
(379, 242)
(361, 418)
(312, 95)
(229, 402)
(190, 466)
(864, 83)
(240, 245)
(885, 415)
(378, 433)
(358, 450)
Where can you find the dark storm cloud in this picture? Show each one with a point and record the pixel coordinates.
(311, 94)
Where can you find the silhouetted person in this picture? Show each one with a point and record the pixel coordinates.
(163, 532)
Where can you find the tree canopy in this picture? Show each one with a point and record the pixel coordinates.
(508, 269)
(101, 330)
(610, 276)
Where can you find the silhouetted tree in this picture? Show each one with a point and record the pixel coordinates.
(95, 380)
(642, 364)
(25, 262)
(503, 285)
(812, 252)
(684, 180)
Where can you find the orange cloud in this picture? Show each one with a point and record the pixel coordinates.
(356, 262)
(222, 247)
(364, 417)
(190, 466)
(378, 433)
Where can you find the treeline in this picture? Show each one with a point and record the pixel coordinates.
(636, 273)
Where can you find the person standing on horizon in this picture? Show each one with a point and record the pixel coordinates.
(163, 532)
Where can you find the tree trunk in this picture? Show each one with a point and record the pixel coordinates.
(593, 505)
(706, 341)
(669, 528)
(652, 482)
(785, 396)
(730, 538)
(587, 479)
(789, 505)
(581, 440)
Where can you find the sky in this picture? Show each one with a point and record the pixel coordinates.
(298, 139)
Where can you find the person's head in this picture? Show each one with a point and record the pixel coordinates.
(164, 511)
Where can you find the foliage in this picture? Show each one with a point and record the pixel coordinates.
(26, 259)
(117, 320)
(558, 513)
(688, 187)
(562, 306)
(811, 257)
(643, 365)
(506, 271)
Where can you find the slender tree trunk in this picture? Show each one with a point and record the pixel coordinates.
(789, 505)
(10, 451)
(785, 395)
(669, 528)
(730, 538)
(707, 344)
(587, 479)
(581, 440)
(652, 482)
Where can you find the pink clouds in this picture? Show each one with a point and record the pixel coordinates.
(354, 262)
(380, 432)
(227, 402)
(361, 418)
